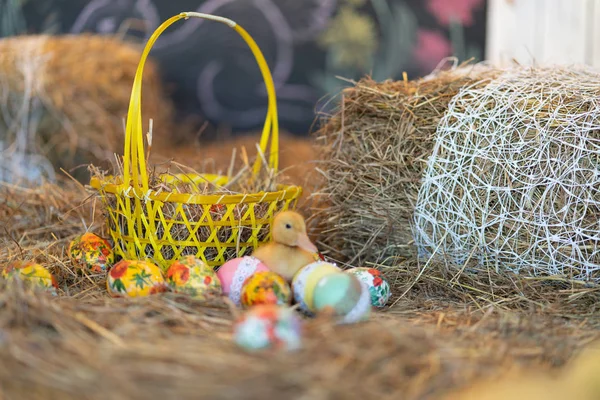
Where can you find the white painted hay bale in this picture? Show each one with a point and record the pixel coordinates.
(513, 182)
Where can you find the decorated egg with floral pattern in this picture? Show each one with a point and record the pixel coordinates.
(135, 279)
(193, 277)
(268, 326)
(345, 295)
(91, 252)
(234, 273)
(32, 273)
(377, 285)
(266, 287)
(305, 281)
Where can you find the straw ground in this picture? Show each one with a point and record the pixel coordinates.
(443, 331)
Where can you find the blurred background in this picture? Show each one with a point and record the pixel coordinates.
(65, 97)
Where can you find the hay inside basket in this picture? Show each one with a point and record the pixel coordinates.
(373, 153)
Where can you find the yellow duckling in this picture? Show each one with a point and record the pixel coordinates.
(290, 248)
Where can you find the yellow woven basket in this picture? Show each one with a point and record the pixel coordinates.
(143, 222)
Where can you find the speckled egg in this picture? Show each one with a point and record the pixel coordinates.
(348, 297)
(268, 326)
(234, 273)
(265, 287)
(135, 279)
(32, 273)
(306, 279)
(379, 289)
(91, 252)
(193, 277)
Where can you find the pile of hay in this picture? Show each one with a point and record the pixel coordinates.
(513, 182)
(374, 150)
(82, 344)
(64, 98)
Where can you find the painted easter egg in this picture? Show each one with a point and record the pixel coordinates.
(348, 297)
(91, 252)
(193, 277)
(265, 287)
(339, 291)
(234, 273)
(32, 273)
(135, 279)
(306, 279)
(269, 326)
(378, 286)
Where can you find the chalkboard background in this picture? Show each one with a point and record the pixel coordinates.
(307, 43)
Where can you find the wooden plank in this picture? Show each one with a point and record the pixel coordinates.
(544, 31)
(565, 37)
(528, 14)
(501, 29)
(594, 34)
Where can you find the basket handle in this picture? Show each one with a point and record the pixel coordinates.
(134, 162)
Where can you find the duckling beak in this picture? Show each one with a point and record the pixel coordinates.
(305, 244)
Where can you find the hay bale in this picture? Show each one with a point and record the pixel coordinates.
(373, 153)
(65, 98)
(514, 179)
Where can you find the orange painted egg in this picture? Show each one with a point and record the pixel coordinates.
(91, 252)
(135, 279)
(193, 277)
(234, 273)
(266, 287)
(32, 273)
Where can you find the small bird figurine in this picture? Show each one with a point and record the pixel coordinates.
(290, 248)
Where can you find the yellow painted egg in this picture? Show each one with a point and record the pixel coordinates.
(234, 273)
(91, 252)
(193, 277)
(266, 287)
(32, 273)
(135, 279)
(305, 281)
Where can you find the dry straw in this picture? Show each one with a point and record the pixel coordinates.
(374, 150)
(436, 338)
(72, 111)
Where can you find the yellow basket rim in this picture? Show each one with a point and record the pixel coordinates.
(285, 192)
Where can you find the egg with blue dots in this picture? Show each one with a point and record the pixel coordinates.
(378, 287)
(268, 326)
(234, 273)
